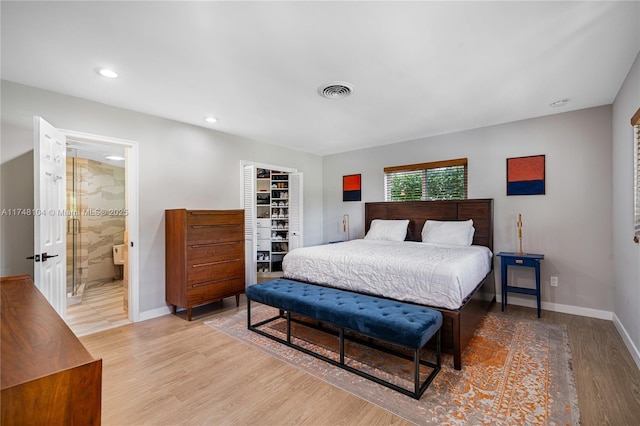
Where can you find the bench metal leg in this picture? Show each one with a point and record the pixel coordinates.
(248, 313)
(254, 327)
(418, 389)
(341, 345)
(416, 370)
(438, 349)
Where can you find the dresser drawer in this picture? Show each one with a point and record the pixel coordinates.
(215, 217)
(264, 223)
(214, 271)
(207, 292)
(204, 253)
(211, 234)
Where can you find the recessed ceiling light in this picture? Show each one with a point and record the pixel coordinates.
(114, 157)
(211, 119)
(560, 103)
(335, 90)
(105, 72)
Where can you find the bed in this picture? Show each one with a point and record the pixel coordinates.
(462, 292)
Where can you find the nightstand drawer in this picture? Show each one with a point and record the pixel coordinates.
(520, 261)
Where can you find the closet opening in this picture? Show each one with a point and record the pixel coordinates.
(272, 200)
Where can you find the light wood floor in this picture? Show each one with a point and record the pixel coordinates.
(168, 371)
(102, 308)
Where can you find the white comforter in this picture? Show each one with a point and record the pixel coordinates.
(436, 275)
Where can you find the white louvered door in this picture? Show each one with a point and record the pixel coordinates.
(250, 244)
(295, 211)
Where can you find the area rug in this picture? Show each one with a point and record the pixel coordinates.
(515, 372)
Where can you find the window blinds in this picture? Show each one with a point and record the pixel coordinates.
(440, 180)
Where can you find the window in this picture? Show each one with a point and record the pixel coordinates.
(440, 180)
(635, 122)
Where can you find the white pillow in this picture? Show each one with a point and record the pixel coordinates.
(390, 230)
(448, 232)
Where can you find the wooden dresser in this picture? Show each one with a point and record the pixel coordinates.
(204, 256)
(48, 377)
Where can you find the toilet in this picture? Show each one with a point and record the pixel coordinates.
(118, 254)
(118, 261)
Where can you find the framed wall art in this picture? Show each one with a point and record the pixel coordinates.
(525, 175)
(351, 188)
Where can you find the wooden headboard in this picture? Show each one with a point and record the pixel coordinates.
(480, 210)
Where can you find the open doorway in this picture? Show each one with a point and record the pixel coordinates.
(97, 287)
(271, 197)
(60, 219)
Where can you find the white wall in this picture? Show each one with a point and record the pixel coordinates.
(180, 166)
(571, 225)
(626, 254)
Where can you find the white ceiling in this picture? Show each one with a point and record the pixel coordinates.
(418, 68)
(95, 151)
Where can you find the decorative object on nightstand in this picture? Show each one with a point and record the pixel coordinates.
(520, 259)
(345, 226)
(519, 225)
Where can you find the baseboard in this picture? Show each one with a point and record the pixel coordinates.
(154, 313)
(633, 349)
(557, 307)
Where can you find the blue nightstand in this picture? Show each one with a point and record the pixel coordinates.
(515, 259)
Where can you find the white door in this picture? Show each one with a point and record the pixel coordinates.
(295, 211)
(250, 238)
(49, 246)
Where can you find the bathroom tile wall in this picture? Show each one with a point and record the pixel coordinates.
(99, 203)
(105, 188)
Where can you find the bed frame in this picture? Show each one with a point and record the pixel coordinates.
(459, 325)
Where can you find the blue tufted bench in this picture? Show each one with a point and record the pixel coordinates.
(402, 324)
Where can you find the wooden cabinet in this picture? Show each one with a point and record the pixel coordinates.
(204, 256)
(48, 377)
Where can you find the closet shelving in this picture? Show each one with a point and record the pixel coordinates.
(272, 211)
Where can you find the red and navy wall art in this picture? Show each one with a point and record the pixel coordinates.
(525, 175)
(351, 188)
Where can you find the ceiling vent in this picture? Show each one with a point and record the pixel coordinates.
(335, 90)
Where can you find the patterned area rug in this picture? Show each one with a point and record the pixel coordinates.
(515, 372)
